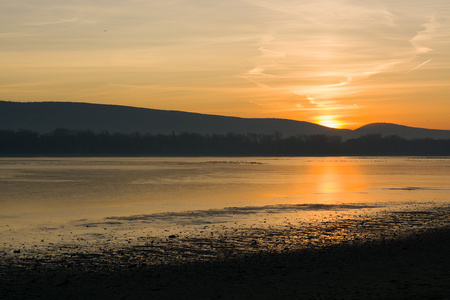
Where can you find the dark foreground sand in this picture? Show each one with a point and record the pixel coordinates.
(401, 255)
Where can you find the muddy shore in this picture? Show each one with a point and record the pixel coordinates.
(392, 255)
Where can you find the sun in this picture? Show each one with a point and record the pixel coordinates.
(329, 121)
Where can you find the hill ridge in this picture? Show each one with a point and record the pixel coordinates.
(48, 116)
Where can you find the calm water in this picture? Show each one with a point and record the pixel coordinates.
(99, 201)
(71, 187)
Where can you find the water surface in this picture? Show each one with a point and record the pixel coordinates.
(53, 198)
(149, 185)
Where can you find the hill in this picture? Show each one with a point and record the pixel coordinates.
(387, 129)
(47, 116)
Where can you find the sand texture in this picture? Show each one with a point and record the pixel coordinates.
(384, 255)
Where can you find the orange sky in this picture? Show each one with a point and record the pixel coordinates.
(338, 63)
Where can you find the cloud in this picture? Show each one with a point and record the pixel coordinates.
(317, 52)
(424, 35)
(416, 67)
(19, 34)
(54, 22)
(256, 71)
(271, 53)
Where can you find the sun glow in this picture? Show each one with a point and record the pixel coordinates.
(329, 121)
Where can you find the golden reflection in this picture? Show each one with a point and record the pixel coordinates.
(316, 180)
(329, 182)
(335, 181)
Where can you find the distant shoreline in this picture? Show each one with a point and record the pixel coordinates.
(63, 142)
(212, 156)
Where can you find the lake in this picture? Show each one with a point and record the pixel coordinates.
(44, 196)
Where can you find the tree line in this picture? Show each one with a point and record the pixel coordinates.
(87, 142)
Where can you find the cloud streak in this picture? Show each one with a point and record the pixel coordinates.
(383, 45)
(422, 64)
(55, 22)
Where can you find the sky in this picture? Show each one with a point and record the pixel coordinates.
(339, 63)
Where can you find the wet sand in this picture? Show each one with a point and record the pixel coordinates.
(384, 255)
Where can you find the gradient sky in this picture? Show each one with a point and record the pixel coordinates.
(334, 62)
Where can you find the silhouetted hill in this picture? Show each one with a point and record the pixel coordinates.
(48, 116)
(388, 129)
(45, 117)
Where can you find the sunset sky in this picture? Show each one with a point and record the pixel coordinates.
(338, 63)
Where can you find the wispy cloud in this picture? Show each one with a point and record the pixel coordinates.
(19, 34)
(318, 57)
(416, 67)
(424, 35)
(53, 22)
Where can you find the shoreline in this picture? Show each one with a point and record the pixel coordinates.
(231, 155)
(402, 254)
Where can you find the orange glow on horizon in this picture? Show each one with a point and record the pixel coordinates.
(330, 121)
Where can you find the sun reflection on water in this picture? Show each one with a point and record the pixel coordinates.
(317, 181)
(335, 179)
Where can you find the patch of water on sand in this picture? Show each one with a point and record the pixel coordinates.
(209, 234)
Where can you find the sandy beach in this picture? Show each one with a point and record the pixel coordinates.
(383, 255)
